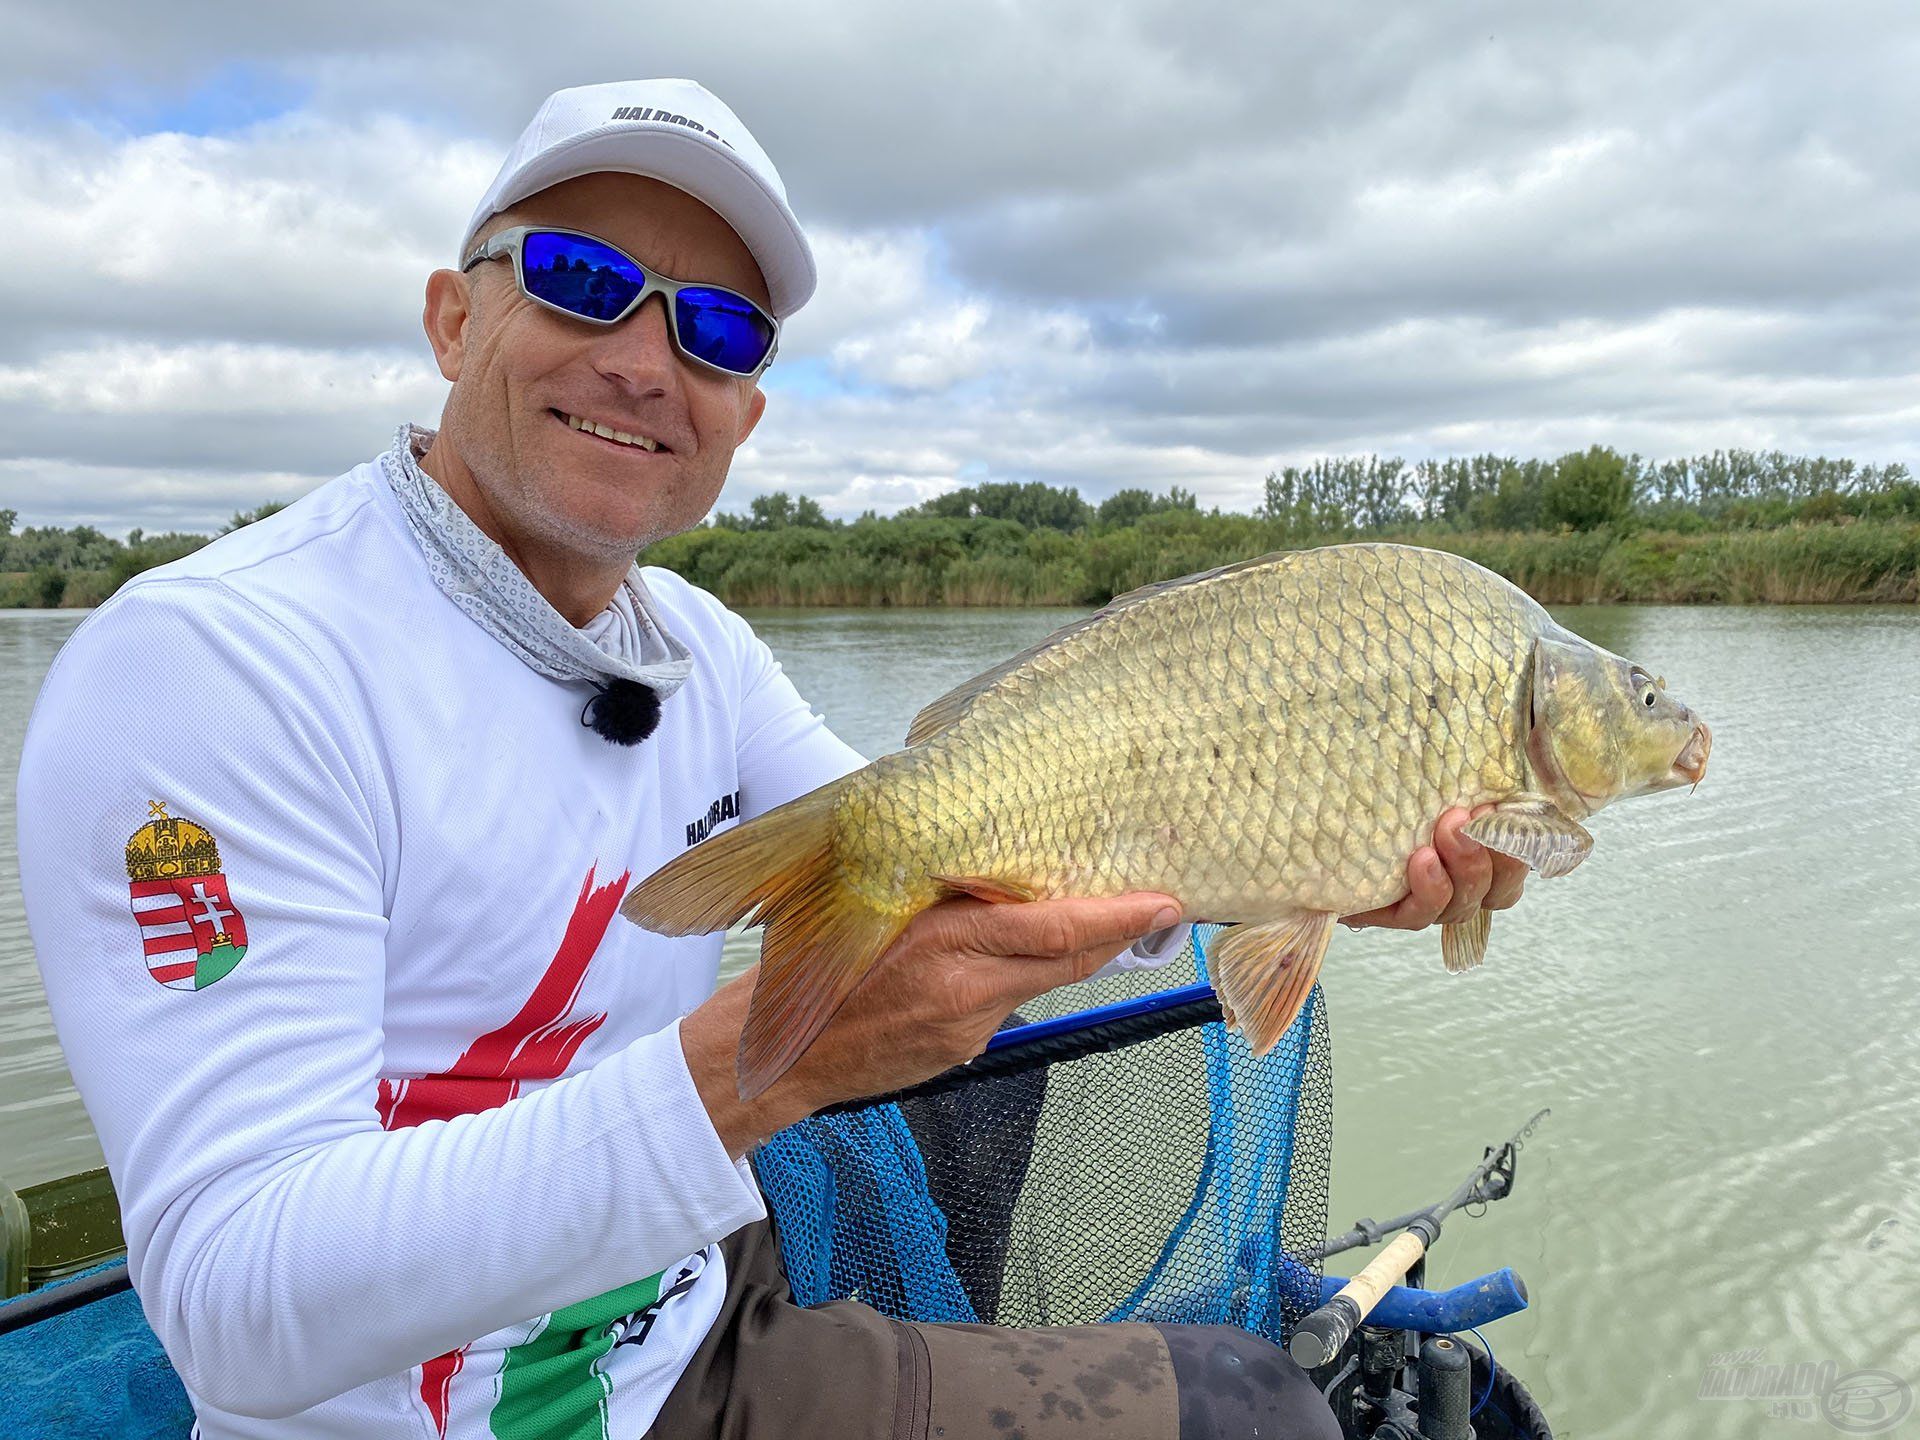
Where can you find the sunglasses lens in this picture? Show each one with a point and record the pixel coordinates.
(578, 275)
(722, 329)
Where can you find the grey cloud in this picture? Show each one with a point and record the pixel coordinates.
(116, 499)
(1207, 237)
(302, 232)
(235, 447)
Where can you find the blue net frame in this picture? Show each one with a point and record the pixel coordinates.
(1175, 1180)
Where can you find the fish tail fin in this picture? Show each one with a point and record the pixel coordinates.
(737, 874)
(778, 870)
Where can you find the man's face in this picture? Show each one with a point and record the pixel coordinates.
(519, 370)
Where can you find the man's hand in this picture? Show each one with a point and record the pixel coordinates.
(933, 1001)
(1450, 879)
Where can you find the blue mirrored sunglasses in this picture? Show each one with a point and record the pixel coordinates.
(591, 280)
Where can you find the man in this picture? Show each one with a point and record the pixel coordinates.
(410, 1136)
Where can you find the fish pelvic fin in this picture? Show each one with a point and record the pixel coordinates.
(1532, 828)
(1264, 973)
(987, 888)
(1464, 946)
(821, 940)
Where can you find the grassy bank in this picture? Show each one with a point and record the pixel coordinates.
(50, 589)
(1818, 564)
(979, 563)
(996, 562)
(1731, 527)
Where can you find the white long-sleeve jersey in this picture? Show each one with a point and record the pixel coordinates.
(322, 882)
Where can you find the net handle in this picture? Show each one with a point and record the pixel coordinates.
(1065, 1037)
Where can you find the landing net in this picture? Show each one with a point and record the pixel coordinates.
(1176, 1180)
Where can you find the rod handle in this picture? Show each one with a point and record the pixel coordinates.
(1318, 1338)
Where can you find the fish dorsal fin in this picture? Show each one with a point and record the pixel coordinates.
(941, 713)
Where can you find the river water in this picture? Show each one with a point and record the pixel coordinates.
(1721, 1007)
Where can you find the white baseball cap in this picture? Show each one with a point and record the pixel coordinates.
(672, 130)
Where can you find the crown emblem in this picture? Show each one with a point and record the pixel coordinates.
(167, 848)
(191, 931)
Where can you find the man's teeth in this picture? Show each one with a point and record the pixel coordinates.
(607, 432)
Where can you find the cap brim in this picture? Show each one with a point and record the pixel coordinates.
(702, 167)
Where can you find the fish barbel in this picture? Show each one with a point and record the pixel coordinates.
(1268, 742)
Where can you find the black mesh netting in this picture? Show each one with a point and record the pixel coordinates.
(1177, 1180)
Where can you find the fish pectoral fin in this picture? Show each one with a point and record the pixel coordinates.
(985, 887)
(1264, 973)
(1532, 829)
(1464, 946)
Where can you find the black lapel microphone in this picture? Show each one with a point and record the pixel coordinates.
(622, 711)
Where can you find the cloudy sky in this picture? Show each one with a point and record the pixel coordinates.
(1105, 243)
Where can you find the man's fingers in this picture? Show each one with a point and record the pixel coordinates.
(1509, 877)
(1428, 891)
(1029, 975)
(1062, 929)
(1469, 866)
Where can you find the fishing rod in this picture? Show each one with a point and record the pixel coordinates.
(1318, 1338)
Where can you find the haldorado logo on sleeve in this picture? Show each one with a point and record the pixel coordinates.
(191, 930)
(727, 807)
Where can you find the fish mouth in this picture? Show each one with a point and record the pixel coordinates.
(1691, 763)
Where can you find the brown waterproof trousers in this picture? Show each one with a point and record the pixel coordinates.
(773, 1370)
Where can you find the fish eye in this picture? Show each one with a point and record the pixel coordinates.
(1647, 698)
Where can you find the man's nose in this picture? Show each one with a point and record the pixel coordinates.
(639, 350)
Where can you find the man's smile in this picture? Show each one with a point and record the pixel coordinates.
(602, 431)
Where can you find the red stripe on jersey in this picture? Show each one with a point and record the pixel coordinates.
(534, 1044)
(436, 1385)
(167, 973)
(165, 944)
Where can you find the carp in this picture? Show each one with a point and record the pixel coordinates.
(1269, 742)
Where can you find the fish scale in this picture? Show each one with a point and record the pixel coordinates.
(1269, 743)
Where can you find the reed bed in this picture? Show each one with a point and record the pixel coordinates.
(1835, 563)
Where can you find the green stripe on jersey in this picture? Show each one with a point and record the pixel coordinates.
(551, 1387)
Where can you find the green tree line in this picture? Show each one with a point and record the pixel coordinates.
(44, 566)
(1596, 524)
(1587, 490)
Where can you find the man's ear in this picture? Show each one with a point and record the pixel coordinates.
(756, 407)
(448, 313)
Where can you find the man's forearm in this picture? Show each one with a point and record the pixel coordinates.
(433, 1236)
(710, 1038)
